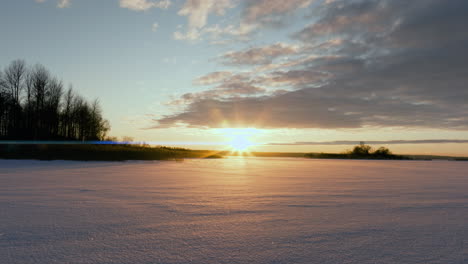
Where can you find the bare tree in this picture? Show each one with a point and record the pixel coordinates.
(3, 106)
(100, 127)
(41, 77)
(29, 83)
(46, 112)
(2, 82)
(66, 115)
(53, 95)
(15, 74)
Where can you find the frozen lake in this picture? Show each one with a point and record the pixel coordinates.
(235, 210)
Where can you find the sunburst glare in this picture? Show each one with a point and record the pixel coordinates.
(240, 143)
(240, 139)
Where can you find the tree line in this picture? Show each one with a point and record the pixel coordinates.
(360, 151)
(34, 105)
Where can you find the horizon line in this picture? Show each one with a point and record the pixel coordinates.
(299, 143)
(374, 142)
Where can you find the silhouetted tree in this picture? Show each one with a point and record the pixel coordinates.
(33, 105)
(14, 78)
(66, 113)
(12, 84)
(382, 151)
(361, 150)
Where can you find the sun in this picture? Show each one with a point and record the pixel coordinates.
(240, 143)
(240, 139)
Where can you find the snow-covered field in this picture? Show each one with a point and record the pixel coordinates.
(235, 210)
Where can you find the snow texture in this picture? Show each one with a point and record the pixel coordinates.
(235, 210)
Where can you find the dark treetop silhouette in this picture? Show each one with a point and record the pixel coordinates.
(34, 106)
(360, 151)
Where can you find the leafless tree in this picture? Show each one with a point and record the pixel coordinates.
(45, 112)
(14, 77)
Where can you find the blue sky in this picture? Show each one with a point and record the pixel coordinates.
(298, 71)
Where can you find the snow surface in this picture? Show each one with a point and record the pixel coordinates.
(235, 210)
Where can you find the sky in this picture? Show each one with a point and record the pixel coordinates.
(296, 75)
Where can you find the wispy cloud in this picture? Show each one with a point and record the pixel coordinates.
(197, 12)
(136, 5)
(63, 3)
(212, 78)
(258, 55)
(356, 64)
(154, 27)
(60, 3)
(271, 12)
(143, 5)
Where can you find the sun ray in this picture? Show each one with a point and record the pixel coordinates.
(240, 140)
(240, 143)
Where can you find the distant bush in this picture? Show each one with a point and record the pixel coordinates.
(382, 152)
(214, 156)
(360, 151)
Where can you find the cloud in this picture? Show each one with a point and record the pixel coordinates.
(227, 85)
(254, 16)
(315, 108)
(143, 5)
(297, 78)
(238, 85)
(154, 27)
(197, 12)
(292, 110)
(259, 55)
(63, 3)
(136, 5)
(358, 63)
(60, 3)
(191, 35)
(212, 78)
(230, 33)
(270, 12)
(352, 17)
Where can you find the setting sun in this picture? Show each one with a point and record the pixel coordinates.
(240, 139)
(240, 143)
